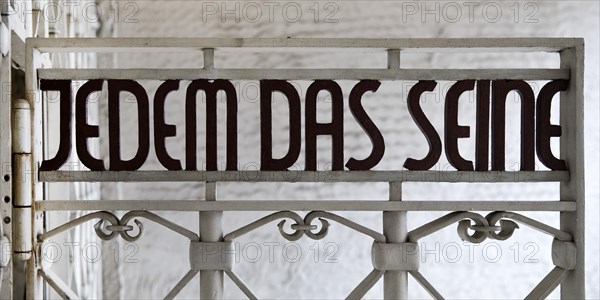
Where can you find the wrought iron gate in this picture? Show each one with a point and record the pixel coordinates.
(395, 253)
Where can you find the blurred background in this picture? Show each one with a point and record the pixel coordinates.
(332, 267)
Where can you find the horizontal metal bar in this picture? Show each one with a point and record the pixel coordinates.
(305, 205)
(304, 176)
(404, 44)
(307, 74)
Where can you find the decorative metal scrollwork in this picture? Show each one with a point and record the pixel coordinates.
(480, 228)
(122, 228)
(507, 229)
(498, 225)
(110, 225)
(466, 221)
(483, 229)
(304, 226)
(299, 227)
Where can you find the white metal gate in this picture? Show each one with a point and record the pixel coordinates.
(395, 249)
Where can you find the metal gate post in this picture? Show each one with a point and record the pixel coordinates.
(395, 283)
(211, 230)
(34, 282)
(6, 269)
(572, 151)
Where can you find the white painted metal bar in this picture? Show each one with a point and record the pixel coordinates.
(378, 237)
(102, 215)
(573, 152)
(61, 288)
(303, 176)
(441, 223)
(426, 285)
(306, 74)
(548, 284)
(262, 222)
(303, 205)
(181, 284)
(7, 58)
(33, 61)
(365, 285)
(242, 285)
(393, 59)
(211, 230)
(208, 57)
(404, 44)
(192, 236)
(537, 225)
(395, 283)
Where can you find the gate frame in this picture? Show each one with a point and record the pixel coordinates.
(572, 190)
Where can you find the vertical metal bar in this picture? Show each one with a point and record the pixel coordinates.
(27, 6)
(395, 283)
(209, 58)
(393, 59)
(211, 230)
(34, 282)
(572, 151)
(112, 269)
(39, 19)
(6, 282)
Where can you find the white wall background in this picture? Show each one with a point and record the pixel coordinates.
(162, 257)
